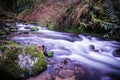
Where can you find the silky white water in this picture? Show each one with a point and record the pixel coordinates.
(74, 47)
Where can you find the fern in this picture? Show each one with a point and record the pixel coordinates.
(110, 26)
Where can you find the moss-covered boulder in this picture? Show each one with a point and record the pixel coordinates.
(17, 61)
(34, 29)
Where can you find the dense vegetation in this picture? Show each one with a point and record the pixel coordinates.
(10, 8)
(81, 16)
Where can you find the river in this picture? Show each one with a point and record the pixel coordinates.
(87, 50)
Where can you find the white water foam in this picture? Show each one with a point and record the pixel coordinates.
(65, 46)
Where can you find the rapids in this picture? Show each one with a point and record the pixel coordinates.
(73, 47)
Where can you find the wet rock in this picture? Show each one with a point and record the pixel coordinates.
(7, 30)
(79, 70)
(2, 36)
(69, 78)
(47, 54)
(64, 62)
(26, 32)
(91, 47)
(13, 29)
(66, 73)
(34, 29)
(27, 27)
(96, 50)
(43, 76)
(50, 54)
(116, 53)
(41, 48)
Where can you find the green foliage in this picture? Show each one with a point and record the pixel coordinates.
(8, 64)
(51, 26)
(110, 13)
(92, 16)
(112, 29)
(110, 26)
(25, 72)
(82, 27)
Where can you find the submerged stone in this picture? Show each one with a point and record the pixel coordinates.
(66, 73)
(116, 53)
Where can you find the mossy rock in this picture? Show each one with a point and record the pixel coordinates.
(2, 32)
(9, 61)
(34, 29)
(40, 64)
(50, 54)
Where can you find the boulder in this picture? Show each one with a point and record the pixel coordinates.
(18, 62)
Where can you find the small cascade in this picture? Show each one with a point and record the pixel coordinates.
(91, 51)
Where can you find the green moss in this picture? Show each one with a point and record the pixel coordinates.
(31, 50)
(50, 54)
(8, 64)
(34, 29)
(9, 61)
(40, 64)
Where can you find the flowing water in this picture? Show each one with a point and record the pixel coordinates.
(74, 47)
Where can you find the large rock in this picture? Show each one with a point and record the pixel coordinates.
(19, 62)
